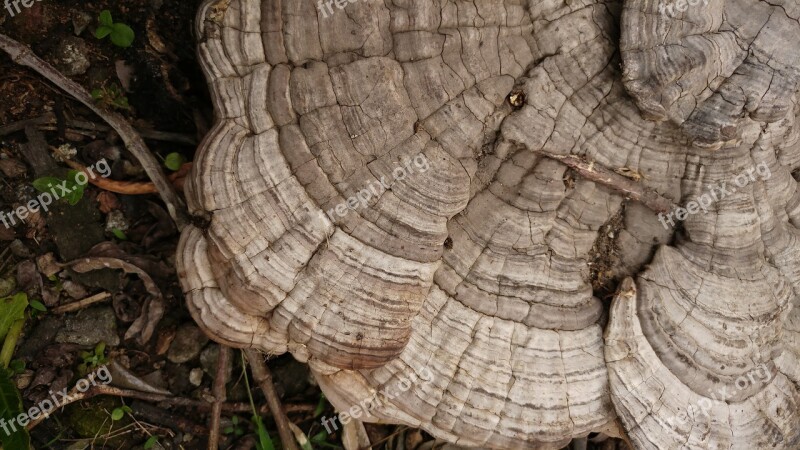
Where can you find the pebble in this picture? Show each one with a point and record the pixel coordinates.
(188, 343)
(90, 327)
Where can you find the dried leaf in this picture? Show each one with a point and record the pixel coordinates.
(152, 312)
(122, 377)
(12, 168)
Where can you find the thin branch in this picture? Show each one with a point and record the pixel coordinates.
(49, 119)
(599, 174)
(263, 377)
(131, 187)
(80, 304)
(220, 395)
(168, 400)
(23, 55)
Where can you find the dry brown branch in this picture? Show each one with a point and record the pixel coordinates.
(168, 400)
(46, 120)
(220, 395)
(612, 180)
(132, 187)
(80, 304)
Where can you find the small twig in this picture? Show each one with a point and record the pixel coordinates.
(599, 174)
(131, 187)
(22, 55)
(48, 119)
(161, 417)
(396, 432)
(167, 400)
(220, 395)
(80, 304)
(263, 377)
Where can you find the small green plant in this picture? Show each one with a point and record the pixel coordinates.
(119, 234)
(235, 428)
(112, 97)
(151, 442)
(16, 366)
(12, 321)
(174, 161)
(94, 359)
(321, 405)
(320, 440)
(37, 307)
(72, 189)
(121, 34)
(10, 408)
(264, 441)
(118, 413)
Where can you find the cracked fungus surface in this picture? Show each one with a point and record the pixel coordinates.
(389, 198)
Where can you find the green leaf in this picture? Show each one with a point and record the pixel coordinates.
(119, 234)
(264, 441)
(122, 35)
(46, 184)
(17, 366)
(117, 414)
(302, 439)
(151, 442)
(102, 31)
(12, 309)
(75, 196)
(319, 437)
(38, 306)
(105, 18)
(174, 161)
(10, 407)
(97, 94)
(320, 406)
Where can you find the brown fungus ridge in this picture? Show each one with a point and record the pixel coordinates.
(382, 211)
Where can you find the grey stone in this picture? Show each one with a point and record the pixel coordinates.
(71, 56)
(188, 342)
(89, 327)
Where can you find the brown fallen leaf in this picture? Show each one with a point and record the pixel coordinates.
(12, 168)
(107, 202)
(153, 310)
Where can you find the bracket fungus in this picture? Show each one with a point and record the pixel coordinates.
(380, 209)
